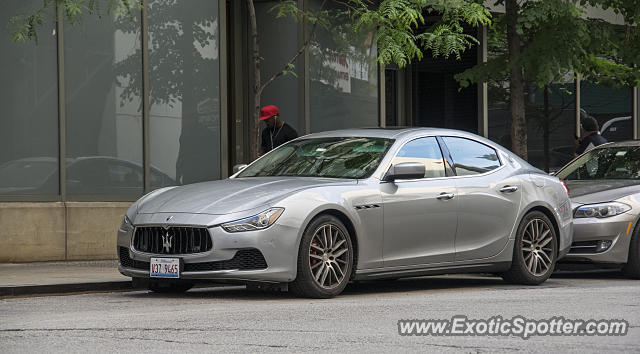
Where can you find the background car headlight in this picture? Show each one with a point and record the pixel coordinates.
(256, 222)
(602, 210)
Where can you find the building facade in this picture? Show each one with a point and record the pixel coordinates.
(99, 113)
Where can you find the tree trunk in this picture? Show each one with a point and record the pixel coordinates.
(516, 83)
(546, 128)
(256, 143)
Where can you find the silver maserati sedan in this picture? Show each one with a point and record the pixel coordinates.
(359, 204)
(604, 185)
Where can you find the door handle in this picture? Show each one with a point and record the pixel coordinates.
(445, 196)
(508, 189)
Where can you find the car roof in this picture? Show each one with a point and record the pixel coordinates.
(388, 132)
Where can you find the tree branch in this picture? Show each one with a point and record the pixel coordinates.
(295, 57)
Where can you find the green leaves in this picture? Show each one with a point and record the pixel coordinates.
(290, 70)
(558, 40)
(403, 34)
(24, 27)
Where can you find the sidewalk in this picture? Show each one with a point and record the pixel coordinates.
(17, 279)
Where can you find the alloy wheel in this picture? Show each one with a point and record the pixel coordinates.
(537, 247)
(329, 256)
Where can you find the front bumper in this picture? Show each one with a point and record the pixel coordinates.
(278, 245)
(588, 232)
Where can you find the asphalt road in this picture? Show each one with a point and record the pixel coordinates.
(363, 319)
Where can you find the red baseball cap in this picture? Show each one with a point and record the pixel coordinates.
(269, 111)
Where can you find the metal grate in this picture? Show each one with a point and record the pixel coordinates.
(127, 262)
(174, 240)
(584, 247)
(244, 259)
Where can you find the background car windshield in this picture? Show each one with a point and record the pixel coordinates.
(322, 157)
(605, 163)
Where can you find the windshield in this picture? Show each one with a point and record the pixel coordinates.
(605, 163)
(322, 157)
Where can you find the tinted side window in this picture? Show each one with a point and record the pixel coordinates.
(471, 157)
(426, 151)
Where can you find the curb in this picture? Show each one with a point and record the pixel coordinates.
(64, 288)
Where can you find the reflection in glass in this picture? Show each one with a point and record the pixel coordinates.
(278, 44)
(471, 157)
(611, 107)
(29, 101)
(343, 74)
(426, 151)
(322, 157)
(104, 118)
(184, 89)
(621, 162)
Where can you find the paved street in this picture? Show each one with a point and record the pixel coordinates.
(363, 319)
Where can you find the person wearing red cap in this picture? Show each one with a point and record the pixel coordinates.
(277, 132)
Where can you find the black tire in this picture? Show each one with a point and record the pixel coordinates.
(527, 254)
(632, 268)
(306, 284)
(169, 287)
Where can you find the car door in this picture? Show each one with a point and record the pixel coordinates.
(420, 216)
(488, 195)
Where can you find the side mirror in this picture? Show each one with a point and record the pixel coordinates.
(405, 170)
(239, 167)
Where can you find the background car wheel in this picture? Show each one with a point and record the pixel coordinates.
(632, 268)
(169, 287)
(535, 251)
(325, 259)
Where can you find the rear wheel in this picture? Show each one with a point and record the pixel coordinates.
(632, 268)
(325, 259)
(169, 287)
(535, 251)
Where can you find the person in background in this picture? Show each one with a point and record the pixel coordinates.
(590, 136)
(276, 132)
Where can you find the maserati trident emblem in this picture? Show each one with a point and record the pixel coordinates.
(166, 226)
(166, 242)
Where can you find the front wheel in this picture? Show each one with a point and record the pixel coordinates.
(632, 268)
(325, 259)
(535, 251)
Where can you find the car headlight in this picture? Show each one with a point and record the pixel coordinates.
(256, 222)
(602, 210)
(126, 223)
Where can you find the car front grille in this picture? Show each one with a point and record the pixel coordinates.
(174, 240)
(244, 259)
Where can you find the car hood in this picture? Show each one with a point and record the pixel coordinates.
(587, 192)
(230, 195)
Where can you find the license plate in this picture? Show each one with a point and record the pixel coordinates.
(165, 268)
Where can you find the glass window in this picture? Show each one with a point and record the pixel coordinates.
(611, 107)
(621, 162)
(322, 157)
(343, 74)
(471, 157)
(426, 151)
(278, 44)
(185, 90)
(29, 101)
(103, 86)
